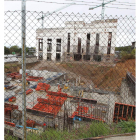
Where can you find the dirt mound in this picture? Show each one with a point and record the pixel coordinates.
(106, 77)
(113, 77)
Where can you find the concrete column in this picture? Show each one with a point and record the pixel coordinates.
(44, 48)
(113, 41)
(111, 103)
(53, 48)
(72, 41)
(37, 49)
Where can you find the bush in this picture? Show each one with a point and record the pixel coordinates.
(93, 129)
(9, 137)
(125, 55)
(126, 48)
(133, 52)
(127, 126)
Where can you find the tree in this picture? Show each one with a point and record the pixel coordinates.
(30, 51)
(125, 48)
(14, 49)
(19, 51)
(6, 50)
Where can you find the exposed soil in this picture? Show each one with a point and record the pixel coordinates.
(14, 67)
(105, 77)
(102, 75)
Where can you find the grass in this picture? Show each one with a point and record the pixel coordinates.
(69, 65)
(86, 131)
(128, 55)
(127, 126)
(7, 136)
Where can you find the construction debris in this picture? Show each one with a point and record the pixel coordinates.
(29, 91)
(61, 104)
(42, 87)
(12, 99)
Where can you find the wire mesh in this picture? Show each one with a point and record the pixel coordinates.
(80, 75)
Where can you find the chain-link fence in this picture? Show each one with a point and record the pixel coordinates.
(80, 75)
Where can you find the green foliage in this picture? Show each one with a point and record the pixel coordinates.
(50, 134)
(14, 49)
(9, 137)
(69, 65)
(99, 128)
(94, 130)
(28, 50)
(6, 67)
(89, 130)
(133, 52)
(125, 55)
(127, 126)
(6, 50)
(126, 48)
(86, 131)
(17, 50)
(126, 52)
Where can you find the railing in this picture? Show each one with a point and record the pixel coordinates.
(131, 81)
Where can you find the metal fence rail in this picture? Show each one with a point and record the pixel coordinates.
(131, 81)
(72, 76)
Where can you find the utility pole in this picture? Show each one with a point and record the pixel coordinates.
(43, 16)
(42, 20)
(103, 8)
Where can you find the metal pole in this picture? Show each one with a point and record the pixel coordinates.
(42, 20)
(24, 67)
(103, 8)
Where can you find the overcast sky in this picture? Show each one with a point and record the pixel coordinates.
(12, 21)
(42, 6)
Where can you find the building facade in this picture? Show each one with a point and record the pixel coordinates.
(77, 40)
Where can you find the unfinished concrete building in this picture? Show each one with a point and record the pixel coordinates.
(77, 41)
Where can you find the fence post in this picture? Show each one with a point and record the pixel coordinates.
(24, 67)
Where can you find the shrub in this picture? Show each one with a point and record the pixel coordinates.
(125, 55)
(133, 52)
(127, 126)
(93, 129)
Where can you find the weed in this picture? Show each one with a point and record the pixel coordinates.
(127, 126)
(6, 67)
(9, 137)
(86, 131)
(69, 65)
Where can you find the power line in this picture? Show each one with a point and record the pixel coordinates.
(103, 7)
(100, 3)
(78, 1)
(70, 3)
(51, 2)
(121, 8)
(121, 2)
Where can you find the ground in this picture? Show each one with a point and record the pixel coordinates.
(15, 66)
(121, 138)
(102, 75)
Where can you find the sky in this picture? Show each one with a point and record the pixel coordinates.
(44, 5)
(80, 6)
